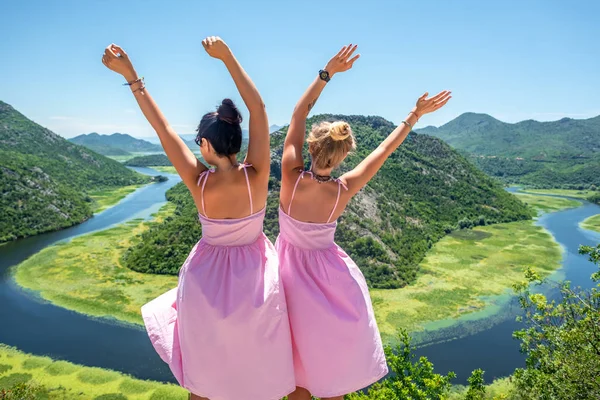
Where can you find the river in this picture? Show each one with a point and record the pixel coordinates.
(35, 326)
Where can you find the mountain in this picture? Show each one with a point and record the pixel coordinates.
(563, 153)
(274, 128)
(44, 178)
(108, 144)
(482, 134)
(151, 160)
(424, 191)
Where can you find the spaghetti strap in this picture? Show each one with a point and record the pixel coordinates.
(205, 176)
(294, 192)
(248, 184)
(340, 184)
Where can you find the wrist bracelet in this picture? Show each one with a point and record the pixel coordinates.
(141, 88)
(416, 115)
(407, 124)
(134, 82)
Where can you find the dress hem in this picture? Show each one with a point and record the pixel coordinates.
(355, 388)
(211, 397)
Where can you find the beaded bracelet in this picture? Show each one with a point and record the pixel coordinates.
(407, 124)
(134, 82)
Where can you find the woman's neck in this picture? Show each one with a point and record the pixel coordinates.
(321, 171)
(226, 163)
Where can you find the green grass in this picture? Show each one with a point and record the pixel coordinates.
(86, 275)
(169, 170)
(65, 381)
(104, 199)
(546, 203)
(591, 223)
(580, 194)
(467, 274)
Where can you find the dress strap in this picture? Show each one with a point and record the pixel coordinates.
(340, 184)
(244, 166)
(205, 176)
(294, 192)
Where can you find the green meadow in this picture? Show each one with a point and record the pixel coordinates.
(581, 194)
(548, 204)
(86, 275)
(591, 223)
(467, 272)
(106, 198)
(168, 170)
(34, 377)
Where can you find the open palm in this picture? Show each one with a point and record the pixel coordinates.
(428, 105)
(341, 61)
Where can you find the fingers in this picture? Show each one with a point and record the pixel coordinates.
(118, 50)
(440, 95)
(424, 96)
(356, 57)
(350, 51)
(339, 54)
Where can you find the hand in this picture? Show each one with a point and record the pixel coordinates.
(117, 60)
(342, 61)
(216, 47)
(425, 105)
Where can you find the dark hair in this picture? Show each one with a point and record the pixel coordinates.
(222, 129)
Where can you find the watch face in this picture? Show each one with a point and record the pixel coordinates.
(324, 75)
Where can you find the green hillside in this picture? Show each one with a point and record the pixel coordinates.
(45, 179)
(563, 154)
(152, 160)
(482, 134)
(424, 191)
(115, 142)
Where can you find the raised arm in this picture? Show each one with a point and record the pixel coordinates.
(258, 146)
(182, 158)
(294, 140)
(363, 172)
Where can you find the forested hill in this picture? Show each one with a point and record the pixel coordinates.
(44, 178)
(115, 144)
(425, 190)
(482, 134)
(563, 154)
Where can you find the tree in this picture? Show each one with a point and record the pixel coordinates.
(561, 339)
(409, 380)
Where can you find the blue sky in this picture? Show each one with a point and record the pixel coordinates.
(514, 60)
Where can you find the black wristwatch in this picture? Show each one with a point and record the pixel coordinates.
(324, 75)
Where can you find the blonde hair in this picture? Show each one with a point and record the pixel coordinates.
(329, 143)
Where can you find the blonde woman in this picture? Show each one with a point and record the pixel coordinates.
(336, 343)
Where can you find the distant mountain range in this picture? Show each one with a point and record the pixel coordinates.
(482, 134)
(563, 153)
(115, 144)
(44, 179)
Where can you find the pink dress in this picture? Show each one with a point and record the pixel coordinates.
(336, 343)
(225, 331)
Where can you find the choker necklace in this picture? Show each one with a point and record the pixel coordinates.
(321, 178)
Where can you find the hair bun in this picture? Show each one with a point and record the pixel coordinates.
(229, 113)
(339, 130)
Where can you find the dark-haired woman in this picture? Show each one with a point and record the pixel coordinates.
(224, 331)
(337, 347)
